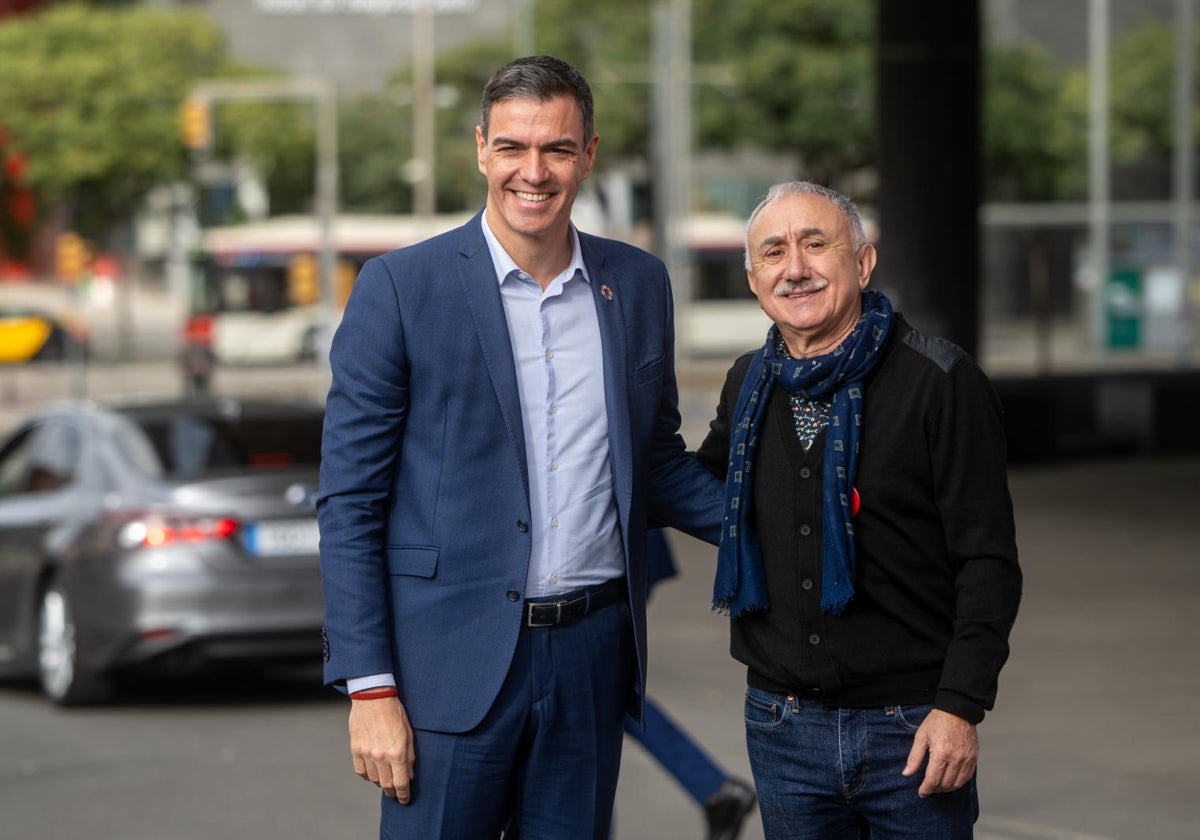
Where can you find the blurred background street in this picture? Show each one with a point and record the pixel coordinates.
(202, 179)
(1094, 736)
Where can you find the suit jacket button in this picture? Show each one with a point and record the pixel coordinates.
(513, 595)
(522, 525)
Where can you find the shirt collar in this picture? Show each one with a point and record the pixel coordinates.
(504, 264)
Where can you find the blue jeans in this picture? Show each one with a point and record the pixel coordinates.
(834, 774)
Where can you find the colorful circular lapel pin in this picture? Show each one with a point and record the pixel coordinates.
(606, 292)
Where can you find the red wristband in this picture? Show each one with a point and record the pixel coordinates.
(375, 693)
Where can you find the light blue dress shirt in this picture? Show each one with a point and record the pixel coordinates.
(555, 337)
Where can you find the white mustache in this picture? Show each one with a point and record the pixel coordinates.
(791, 287)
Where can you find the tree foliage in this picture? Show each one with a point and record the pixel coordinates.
(93, 97)
(793, 77)
(803, 80)
(1034, 129)
(1143, 92)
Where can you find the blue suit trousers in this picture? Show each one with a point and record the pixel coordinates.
(543, 763)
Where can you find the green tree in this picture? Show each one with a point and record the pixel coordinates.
(1034, 128)
(374, 143)
(377, 136)
(803, 86)
(94, 97)
(278, 139)
(1143, 91)
(803, 80)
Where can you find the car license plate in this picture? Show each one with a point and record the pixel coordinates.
(282, 537)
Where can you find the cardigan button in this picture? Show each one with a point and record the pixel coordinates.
(805, 530)
(512, 595)
(805, 472)
(806, 584)
(814, 639)
(522, 526)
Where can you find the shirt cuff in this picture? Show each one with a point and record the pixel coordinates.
(373, 681)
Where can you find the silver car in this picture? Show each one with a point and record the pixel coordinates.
(176, 535)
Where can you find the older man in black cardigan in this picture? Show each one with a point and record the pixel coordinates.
(868, 559)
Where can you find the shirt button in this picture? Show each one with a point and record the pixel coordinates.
(549, 354)
(806, 584)
(554, 578)
(814, 639)
(512, 595)
(805, 530)
(554, 409)
(553, 465)
(805, 472)
(554, 522)
(522, 525)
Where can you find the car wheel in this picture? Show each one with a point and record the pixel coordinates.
(62, 678)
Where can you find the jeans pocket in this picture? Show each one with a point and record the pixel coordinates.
(764, 710)
(911, 717)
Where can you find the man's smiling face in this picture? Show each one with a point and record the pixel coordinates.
(535, 157)
(807, 273)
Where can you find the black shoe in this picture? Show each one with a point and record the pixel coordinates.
(726, 810)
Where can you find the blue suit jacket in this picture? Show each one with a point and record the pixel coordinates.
(424, 495)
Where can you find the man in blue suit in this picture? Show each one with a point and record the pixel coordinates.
(501, 426)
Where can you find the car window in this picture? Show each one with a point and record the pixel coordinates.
(13, 463)
(130, 441)
(42, 459)
(53, 457)
(195, 445)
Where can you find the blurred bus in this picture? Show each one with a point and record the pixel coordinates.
(255, 295)
(722, 318)
(256, 290)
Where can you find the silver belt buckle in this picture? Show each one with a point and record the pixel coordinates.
(558, 605)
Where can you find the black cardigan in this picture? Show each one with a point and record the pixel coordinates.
(937, 580)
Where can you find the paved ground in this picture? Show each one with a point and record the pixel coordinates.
(1095, 736)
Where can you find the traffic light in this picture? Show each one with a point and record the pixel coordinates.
(343, 281)
(71, 255)
(304, 286)
(194, 123)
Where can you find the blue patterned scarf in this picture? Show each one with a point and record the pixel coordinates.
(741, 584)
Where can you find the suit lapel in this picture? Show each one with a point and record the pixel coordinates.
(610, 303)
(480, 289)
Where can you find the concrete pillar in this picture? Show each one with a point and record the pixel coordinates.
(928, 72)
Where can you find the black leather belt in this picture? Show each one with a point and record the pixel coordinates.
(573, 605)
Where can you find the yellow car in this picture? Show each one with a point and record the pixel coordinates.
(28, 335)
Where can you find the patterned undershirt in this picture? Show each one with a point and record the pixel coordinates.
(810, 416)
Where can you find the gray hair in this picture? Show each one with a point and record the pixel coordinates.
(844, 205)
(539, 77)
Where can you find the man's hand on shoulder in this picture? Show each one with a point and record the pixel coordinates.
(952, 747)
(381, 744)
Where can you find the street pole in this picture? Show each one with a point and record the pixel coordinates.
(1183, 167)
(424, 120)
(673, 146)
(1098, 176)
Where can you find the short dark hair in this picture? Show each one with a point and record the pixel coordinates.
(540, 77)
